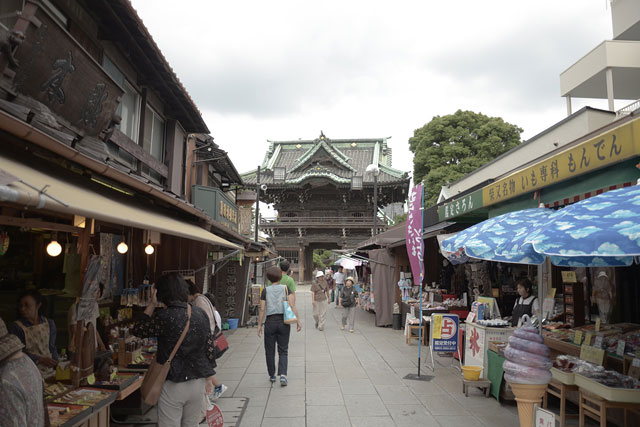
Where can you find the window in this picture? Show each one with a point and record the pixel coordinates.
(153, 134)
(9, 11)
(279, 174)
(356, 183)
(129, 108)
(357, 215)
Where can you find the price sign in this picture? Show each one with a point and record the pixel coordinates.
(620, 348)
(587, 338)
(544, 418)
(577, 338)
(569, 277)
(592, 354)
(470, 317)
(598, 324)
(636, 362)
(598, 342)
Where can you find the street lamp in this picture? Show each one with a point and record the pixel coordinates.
(373, 169)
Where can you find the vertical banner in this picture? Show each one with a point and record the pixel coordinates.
(414, 242)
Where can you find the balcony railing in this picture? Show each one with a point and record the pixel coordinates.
(316, 222)
(625, 111)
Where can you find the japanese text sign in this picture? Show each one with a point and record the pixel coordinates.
(460, 206)
(444, 332)
(414, 233)
(605, 149)
(544, 418)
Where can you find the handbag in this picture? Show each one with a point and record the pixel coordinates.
(220, 343)
(157, 374)
(289, 315)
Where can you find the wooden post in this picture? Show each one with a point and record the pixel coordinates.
(83, 243)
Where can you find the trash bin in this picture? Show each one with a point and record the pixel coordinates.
(397, 321)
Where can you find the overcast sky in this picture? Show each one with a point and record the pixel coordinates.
(282, 70)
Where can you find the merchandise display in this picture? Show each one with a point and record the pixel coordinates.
(54, 390)
(85, 396)
(60, 414)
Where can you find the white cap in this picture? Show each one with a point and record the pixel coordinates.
(319, 274)
(602, 274)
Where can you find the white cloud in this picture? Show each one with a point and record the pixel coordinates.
(287, 69)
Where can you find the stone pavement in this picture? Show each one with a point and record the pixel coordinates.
(337, 378)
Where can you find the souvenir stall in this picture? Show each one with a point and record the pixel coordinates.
(594, 363)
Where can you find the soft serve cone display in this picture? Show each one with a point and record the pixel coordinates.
(527, 369)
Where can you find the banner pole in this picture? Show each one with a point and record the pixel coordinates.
(421, 275)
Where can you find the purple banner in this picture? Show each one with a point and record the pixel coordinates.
(415, 246)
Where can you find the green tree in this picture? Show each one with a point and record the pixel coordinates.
(322, 258)
(449, 147)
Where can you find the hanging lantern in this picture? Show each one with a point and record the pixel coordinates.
(122, 248)
(53, 248)
(4, 243)
(149, 250)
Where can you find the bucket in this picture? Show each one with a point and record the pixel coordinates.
(233, 323)
(397, 321)
(471, 373)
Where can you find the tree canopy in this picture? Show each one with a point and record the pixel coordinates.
(449, 147)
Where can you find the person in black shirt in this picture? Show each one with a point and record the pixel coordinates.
(192, 368)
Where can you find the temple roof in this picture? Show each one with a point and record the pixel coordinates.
(337, 160)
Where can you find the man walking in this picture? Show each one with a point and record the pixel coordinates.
(287, 280)
(320, 300)
(339, 278)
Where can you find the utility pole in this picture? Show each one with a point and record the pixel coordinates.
(375, 204)
(255, 265)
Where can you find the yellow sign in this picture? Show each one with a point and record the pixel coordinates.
(551, 293)
(587, 338)
(598, 324)
(605, 149)
(437, 326)
(592, 354)
(577, 338)
(569, 277)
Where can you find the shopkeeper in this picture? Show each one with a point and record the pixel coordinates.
(37, 333)
(526, 304)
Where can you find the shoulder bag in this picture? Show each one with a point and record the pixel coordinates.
(157, 374)
(289, 316)
(220, 343)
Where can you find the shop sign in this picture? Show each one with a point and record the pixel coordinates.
(444, 333)
(474, 345)
(228, 212)
(592, 354)
(460, 206)
(605, 149)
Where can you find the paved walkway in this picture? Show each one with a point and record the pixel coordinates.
(337, 378)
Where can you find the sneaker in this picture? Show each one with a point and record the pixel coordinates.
(272, 378)
(283, 380)
(351, 330)
(219, 391)
(342, 327)
(321, 328)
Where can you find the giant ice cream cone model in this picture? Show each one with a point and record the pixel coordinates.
(527, 369)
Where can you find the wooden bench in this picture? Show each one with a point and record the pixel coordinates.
(483, 384)
(416, 328)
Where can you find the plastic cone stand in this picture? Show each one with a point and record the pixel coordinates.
(527, 395)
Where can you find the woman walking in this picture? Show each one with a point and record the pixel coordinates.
(349, 301)
(320, 300)
(275, 330)
(191, 372)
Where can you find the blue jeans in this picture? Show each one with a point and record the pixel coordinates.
(339, 289)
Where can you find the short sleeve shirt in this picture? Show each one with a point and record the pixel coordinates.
(319, 290)
(287, 280)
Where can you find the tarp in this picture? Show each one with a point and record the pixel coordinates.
(384, 289)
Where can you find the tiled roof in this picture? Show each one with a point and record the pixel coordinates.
(336, 159)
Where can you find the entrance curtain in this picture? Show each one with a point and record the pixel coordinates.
(383, 287)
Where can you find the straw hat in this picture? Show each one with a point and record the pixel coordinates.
(319, 274)
(9, 344)
(353, 281)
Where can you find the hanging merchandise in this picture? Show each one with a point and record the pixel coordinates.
(4, 243)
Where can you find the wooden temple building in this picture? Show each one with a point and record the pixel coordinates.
(323, 196)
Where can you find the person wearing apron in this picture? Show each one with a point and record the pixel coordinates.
(526, 304)
(37, 333)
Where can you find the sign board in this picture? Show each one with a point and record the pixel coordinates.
(569, 277)
(474, 345)
(544, 418)
(444, 332)
(620, 348)
(598, 324)
(460, 206)
(587, 338)
(598, 342)
(592, 354)
(577, 338)
(605, 149)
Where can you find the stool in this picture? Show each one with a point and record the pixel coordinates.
(560, 390)
(595, 407)
(417, 328)
(483, 384)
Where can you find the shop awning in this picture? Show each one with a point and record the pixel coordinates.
(435, 229)
(69, 198)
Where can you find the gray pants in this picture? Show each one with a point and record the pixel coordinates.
(320, 313)
(349, 316)
(180, 404)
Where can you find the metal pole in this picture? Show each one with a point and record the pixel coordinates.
(255, 265)
(540, 298)
(375, 203)
(421, 278)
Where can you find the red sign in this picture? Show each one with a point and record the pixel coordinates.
(214, 416)
(475, 346)
(449, 328)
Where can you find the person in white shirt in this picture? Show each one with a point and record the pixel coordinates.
(339, 278)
